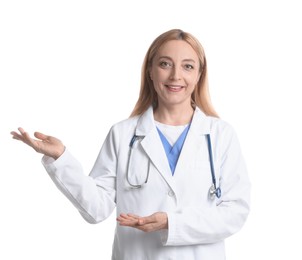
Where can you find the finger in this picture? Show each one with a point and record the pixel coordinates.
(128, 223)
(130, 216)
(148, 227)
(16, 135)
(122, 217)
(126, 220)
(126, 217)
(146, 220)
(22, 135)
(21, 130)
(133, 216)
(25, 137)
(41, 136)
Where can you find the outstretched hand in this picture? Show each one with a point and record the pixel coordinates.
(154, 222)
(44, 144)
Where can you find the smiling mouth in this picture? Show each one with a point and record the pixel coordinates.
(174, 88)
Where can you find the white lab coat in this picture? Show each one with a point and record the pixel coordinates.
(197, 224)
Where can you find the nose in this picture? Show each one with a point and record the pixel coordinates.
(175, 73)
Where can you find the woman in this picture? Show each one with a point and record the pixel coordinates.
(157, 166)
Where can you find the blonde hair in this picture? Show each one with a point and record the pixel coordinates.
(200, 96)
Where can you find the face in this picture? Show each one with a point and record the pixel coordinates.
(175, 73)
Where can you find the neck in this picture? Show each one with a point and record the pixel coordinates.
(175, 115)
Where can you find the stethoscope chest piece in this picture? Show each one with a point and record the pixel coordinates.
(214, 192)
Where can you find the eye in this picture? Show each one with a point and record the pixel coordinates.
(189, 67)
(165, 64)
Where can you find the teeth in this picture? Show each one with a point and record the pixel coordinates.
(173, 87)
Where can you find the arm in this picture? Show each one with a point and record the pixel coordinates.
(93, 196)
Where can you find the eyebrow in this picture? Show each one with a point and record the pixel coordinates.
(167, 57)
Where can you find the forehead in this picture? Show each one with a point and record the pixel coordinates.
(177, 49)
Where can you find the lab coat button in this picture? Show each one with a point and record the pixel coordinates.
(171, 193)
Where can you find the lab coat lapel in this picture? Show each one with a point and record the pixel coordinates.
(152, 145)
(200, 126)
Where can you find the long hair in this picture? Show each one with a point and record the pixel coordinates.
(200, 96)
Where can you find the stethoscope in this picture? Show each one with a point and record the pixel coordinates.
(213, 191)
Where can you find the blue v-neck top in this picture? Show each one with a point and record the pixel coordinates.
(173, 152)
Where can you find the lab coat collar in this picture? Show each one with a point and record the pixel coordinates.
(200, 123)
(145, 123)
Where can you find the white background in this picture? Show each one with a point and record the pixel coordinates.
(72, 69)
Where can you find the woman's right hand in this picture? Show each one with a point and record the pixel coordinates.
(45, 144)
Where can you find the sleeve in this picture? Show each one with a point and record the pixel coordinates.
(93, 195)
(202, 225)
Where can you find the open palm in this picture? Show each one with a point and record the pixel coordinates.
(45, 144)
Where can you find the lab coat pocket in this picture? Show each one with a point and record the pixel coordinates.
(138, 167)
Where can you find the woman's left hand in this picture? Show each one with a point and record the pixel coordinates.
(154, 222)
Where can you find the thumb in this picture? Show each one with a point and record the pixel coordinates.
(40, 136)
(141, 221)
(146, 220)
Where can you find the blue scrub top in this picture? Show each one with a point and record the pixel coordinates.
(173, 152)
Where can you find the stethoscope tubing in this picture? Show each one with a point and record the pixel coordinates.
(214, 190)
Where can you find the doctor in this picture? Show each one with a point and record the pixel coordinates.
(173, 170)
